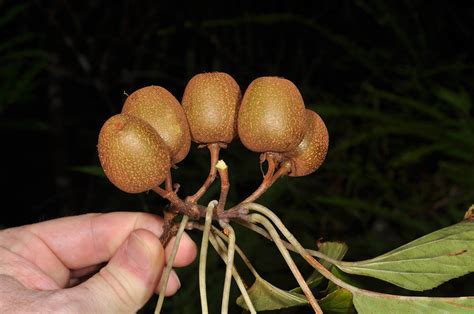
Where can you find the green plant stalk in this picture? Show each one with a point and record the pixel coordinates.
(220, 248)
(300, 249)
(286, 255)
(239, 251)
(229, 264)
(288, 245)
(203, 256)
(169, 265)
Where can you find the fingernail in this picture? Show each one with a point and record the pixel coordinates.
(174, 275)
(138, 252)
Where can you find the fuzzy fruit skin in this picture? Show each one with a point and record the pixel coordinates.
(271, 116)
(309, 155)
(211, 102)
(132, 154)
(162, 111)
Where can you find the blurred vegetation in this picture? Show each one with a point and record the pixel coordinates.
(392, 80)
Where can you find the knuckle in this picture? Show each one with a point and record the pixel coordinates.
(119, 288)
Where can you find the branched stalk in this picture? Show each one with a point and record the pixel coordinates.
(203, 256)
(257, 218)
(214, 150)
(299, 248)
(266, 183)
(221, 250)
(230, 263)
(169, 265)
(275, 171)
(179, 205)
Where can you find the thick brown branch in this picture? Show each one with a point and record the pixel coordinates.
(177, 204)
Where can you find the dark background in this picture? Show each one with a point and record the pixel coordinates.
(393, 81)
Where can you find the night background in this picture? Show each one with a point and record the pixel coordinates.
(393, 81)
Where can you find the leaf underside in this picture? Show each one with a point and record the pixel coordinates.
(424, 263)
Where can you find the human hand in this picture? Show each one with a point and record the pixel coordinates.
(43, 266)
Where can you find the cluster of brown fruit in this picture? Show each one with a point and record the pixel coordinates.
(139, 146)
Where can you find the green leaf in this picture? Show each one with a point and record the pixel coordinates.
(92, 170)
(424, 263)
(335, 250)
(338, 301)
(266, 297)
(393, 304)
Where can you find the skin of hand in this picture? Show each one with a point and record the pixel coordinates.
(93, 263)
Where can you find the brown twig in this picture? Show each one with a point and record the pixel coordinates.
(168, 182)
(224, 175)
(177, 204)
(169, 227)
(196, 211)
(214, 150)
(270, 177)
(267, 178)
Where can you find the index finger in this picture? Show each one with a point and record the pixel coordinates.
(81, 241)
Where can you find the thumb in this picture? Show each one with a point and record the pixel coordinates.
(129, 279)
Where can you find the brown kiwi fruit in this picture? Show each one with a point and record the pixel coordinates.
(211, 102)
(162, 111)
(271, 115)
(132, 154)
(310, 153)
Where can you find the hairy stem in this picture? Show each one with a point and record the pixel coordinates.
(220, 248)
(169, 265)
(214, 150)
(203, 256)
(257, 218)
